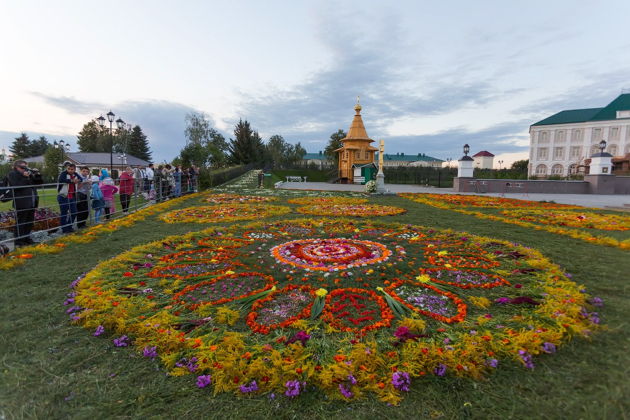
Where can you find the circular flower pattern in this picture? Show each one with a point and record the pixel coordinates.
(365, 305)
(226, 198)
(223, 213)
(354, 210)
(330, 254)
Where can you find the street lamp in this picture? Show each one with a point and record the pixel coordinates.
(448, 162)
(602, 146)
(63, 146)
(500, 163)
(466, 149)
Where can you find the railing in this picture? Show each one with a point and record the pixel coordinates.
(23, 223)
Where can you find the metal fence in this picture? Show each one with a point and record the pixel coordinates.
(49, 214)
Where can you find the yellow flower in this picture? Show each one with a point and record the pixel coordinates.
(442, 253)
(423, 278)
(380, 289)
(229, 272)
(321, 292)
(448, 265)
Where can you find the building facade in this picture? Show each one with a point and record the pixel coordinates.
(483, 160)
(562, 144)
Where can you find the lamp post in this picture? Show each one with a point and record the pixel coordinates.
(500, 163)
(120, 124)
(448, 162)
(466, 149)
(602, 146)
(64, 147)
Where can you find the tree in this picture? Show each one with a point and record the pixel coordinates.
(52, 159)
(93, 138)
(247, 146)
(277, 150)
(202, 139)
(138, 145)
(333, 144)
(38, 147)
(520, 165)
(21, 147)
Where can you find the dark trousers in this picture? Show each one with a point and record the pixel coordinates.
(83, 209)
(68, 212)
(23, 225)
(124, 202)
(107, 212)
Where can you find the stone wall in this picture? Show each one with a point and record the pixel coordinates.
(520, 186)
(622, 185)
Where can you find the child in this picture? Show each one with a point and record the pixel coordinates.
(98, 203)
(109, 189)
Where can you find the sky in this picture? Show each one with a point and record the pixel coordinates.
(431, 76)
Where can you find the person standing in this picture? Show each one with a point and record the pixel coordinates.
(67, 197)
(98, 201)
(108, 189)
(83, 197)
(150, 174)
(177, 175)
(126, 188)
(22, 183)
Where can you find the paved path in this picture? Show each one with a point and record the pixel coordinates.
(587, 200)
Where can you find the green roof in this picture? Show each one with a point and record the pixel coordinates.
(397, 157)
(609, 112)
(314, 156)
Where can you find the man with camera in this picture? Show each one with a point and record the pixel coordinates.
(21, 189)
(67, 196)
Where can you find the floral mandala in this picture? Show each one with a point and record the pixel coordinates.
(355, 210)
(222, 213)
(226, 198)
(342, 306)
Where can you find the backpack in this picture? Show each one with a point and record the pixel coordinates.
(6, 194)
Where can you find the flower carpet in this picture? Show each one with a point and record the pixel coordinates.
(227, 198)
(221, 213)
(581, 223)
(344, 306)
(355, 210)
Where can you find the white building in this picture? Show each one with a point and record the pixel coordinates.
(483, 160)
(560, 144)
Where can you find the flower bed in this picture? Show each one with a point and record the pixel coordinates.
(534, 222)
(222, 213)
(227, 198)
(575, 219)
(44, 219)
(344, 306)
(306, 201)
(354, 210)
(457, 200)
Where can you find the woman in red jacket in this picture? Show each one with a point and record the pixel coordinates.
(126, 188)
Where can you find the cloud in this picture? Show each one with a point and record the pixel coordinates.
(70, 104)
(162, 121)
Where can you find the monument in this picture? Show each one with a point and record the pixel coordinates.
(380, 176)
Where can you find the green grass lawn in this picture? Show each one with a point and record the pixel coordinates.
(51, 369)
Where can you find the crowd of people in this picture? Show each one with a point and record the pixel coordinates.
(82, 191)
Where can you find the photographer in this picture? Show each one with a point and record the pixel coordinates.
(67, 197)
(22, 181)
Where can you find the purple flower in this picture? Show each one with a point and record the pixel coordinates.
(99, 330)
(191, 364)
(596, 301)
(68, 301)
(252, 387)
(293, 388)
(548, 347)
(203, 381)
(352, 379)
(503, 300)
(492, 363)
(440, 370)
(345, 391)
(401, 381)
(150, 352)
(527, 359)
(122, 341)
(301, 336)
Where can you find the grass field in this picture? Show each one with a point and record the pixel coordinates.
(51, 369)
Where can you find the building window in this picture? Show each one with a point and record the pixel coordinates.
(596, 135)
(573, 169)
(594, 149)
(576, 136)
(544, 137)
(627, 149)
(345, 155)
(541, 170)
(542, 153)
(558, 153)
(614, 133)
(557, 170)
(367, 155)
(576, 152)
(612, 149)
(560, 136)
(357, 155)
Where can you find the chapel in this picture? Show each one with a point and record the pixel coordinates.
(356, 156)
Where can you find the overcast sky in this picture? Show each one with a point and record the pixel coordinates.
(431, 75)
